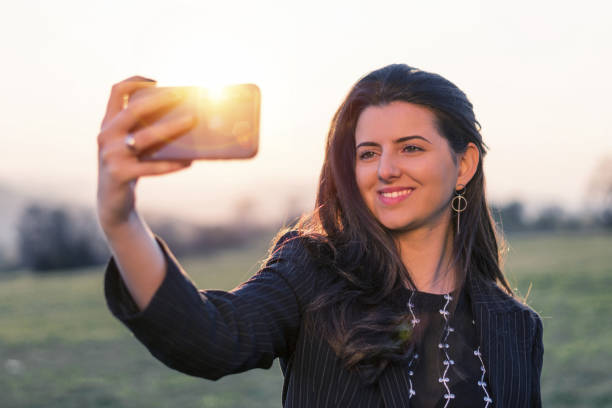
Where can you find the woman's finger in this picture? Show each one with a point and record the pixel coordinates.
(162, 132)
(123, 166)
(129, 117)
(135, 170)
(120, 91)
(115, 165)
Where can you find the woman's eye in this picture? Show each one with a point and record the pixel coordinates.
(366, 155)
(412, 148)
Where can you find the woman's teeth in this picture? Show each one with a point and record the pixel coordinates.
(396, 193)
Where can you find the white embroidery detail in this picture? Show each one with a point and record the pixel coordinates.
(482, 382)
(415, 356)
(444, 346)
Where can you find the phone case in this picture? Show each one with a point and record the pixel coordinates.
(226, 127)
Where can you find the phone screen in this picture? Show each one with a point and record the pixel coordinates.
(226, 127)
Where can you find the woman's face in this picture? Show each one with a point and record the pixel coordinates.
(404, 166)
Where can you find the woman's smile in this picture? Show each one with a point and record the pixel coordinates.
(394, 195)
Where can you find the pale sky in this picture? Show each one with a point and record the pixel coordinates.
(536, 72)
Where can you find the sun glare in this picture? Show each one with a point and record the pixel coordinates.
(216, 92)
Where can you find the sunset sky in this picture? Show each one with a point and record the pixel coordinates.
(536, 72)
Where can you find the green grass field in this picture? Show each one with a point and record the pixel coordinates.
(60, 347)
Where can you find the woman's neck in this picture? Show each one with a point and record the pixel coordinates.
(426, 253)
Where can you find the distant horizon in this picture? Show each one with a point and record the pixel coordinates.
(10, 211)
(531, 206)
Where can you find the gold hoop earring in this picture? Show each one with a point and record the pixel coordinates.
(459, 203)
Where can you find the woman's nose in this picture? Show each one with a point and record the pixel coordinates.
(387, 168)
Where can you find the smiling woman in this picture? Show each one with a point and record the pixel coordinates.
(407, 181)
(382, 296)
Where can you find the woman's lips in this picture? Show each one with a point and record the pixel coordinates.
(394, 197)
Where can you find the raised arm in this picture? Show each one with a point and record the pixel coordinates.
(204, 333)
(119, 168)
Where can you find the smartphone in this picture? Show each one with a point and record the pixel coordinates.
(226, 125)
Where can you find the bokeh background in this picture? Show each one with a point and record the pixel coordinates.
(536, 72)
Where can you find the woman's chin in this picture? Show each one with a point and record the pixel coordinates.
(398, 225)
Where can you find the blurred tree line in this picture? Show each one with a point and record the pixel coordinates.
(512, 218)
(51, 238)
(54, 238)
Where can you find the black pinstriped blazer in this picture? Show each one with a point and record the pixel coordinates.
(213, 333)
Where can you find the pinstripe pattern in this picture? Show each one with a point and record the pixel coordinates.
(214, 333)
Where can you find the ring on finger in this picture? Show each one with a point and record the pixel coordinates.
(130, 143)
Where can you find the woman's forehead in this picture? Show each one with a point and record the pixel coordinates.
(381, 123)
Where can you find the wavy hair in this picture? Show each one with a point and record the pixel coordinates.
(356, 309)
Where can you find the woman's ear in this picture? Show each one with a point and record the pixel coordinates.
(468, 163)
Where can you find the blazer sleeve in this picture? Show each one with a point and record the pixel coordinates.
(538, 355)
(212, 333)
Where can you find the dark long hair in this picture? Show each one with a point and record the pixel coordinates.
(356, 309)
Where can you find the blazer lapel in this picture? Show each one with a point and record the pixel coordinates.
(502, 328)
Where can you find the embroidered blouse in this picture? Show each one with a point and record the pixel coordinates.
(447, 370)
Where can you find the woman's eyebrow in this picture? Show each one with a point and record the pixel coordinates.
(400, 140)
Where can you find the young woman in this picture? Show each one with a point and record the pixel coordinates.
(388, 294)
